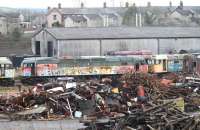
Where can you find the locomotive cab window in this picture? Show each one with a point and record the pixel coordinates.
(150, 62)
(29, 65)
(137, 66)
(124, 63)
(176, 62)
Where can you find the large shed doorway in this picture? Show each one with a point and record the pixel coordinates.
(37, 48)
(50, 49)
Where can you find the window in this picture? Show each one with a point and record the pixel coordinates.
(54, 17)
(176, 62)
(137, 66)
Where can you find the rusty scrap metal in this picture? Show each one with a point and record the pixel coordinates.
(109, 103)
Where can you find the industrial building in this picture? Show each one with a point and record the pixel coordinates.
(63, 42)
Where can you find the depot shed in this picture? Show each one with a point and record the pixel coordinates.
(63, 42)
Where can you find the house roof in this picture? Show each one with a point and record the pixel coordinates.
(11, 15)
(91, 10)
(183, 11)
(110, 15)
(78, 18)
(123, 33)
(93, 16)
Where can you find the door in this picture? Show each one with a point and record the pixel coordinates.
(33, 71)
(50, 49)
(37, 48)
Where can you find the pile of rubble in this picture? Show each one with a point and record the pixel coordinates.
(131, 101)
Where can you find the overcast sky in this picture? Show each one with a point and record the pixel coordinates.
(88, 3)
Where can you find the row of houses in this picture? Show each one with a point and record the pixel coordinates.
(130, 15)
(180, 16)
(84, 17)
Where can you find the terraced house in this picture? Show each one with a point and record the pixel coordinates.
(85, 17)
(128, 15)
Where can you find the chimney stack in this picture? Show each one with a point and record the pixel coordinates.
(59, 6)
(149, 4)
(104, 5)
(127, 4)
(48, 8)
(181, 4)
(136, 20)
(170, 4)
(82, 5)
(140, 20)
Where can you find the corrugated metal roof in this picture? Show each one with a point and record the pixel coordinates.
(41, 60)
(124, 33)
(5, 60)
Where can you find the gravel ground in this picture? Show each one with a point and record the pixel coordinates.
(41, 125)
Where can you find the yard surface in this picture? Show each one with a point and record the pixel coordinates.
(11, 91)
(41, 125)
(35, 125)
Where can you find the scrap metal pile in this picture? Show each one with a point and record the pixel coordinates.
(111, 102)
(163, 110)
